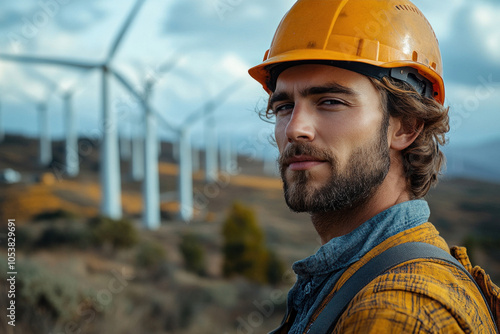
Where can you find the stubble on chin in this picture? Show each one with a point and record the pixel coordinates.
(297, 193)
(343, 189)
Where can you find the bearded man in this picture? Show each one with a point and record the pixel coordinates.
(356, 91)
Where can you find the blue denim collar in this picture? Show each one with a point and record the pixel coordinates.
(342, 251)
(317, 274)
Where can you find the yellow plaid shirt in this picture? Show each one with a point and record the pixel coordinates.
(417, 296)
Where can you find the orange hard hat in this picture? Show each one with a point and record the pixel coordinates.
(377, 38)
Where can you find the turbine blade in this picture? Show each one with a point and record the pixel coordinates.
(210, 106)
(163, 120)
(124, 28)
(49, 61)
(126, 84)
(36, 74)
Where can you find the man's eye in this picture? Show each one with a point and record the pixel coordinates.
(332, 102)
(282, 108)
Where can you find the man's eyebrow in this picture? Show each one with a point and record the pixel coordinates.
(280, 96)
(328, 88)
(315, 90)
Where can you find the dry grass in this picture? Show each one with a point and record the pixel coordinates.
(169, 299)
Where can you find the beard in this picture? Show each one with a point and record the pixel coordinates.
(366, 169)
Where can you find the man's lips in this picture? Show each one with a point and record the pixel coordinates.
(303, 162)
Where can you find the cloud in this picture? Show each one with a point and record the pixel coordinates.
(246, 27)
(472, 48)
(80, 15)
(25, 24)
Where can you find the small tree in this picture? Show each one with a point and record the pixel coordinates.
(275, 269)
(244, 249)
(117, 233)
(193, 254)
(150, 255)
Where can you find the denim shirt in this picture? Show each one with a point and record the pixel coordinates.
(317, 274)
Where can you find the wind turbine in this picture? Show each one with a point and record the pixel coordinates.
(151, 183)
(137, 164)
(66, 91)
(186, 164)
(211, 146)
(210, 134)
(125, 142)
(228, 157)
(44, 141)
(72, 165)
(110, 164)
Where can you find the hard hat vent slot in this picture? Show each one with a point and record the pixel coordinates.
(415, 56)
(409, 8)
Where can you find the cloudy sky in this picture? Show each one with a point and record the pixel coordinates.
(211, 43)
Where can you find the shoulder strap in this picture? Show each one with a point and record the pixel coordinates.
(327, 319)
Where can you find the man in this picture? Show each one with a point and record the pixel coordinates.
(357, 94)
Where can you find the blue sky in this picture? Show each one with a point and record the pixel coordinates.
(214, 42)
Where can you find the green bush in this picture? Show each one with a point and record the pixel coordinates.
(275, 269)
(45, 299)
(193, 254)
(117, 233)
(150, 255)
(70, 235)
(55, 214)
(244, 250)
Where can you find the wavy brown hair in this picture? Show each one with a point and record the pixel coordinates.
(423, 159)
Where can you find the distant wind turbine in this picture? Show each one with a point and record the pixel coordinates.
(110, 164)
(66, 91)
(151, 183)
(44, 140)
(186, 164)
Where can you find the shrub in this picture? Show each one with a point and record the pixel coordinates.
(45, 299)
(150, 255)
(69, 235)
(118, 233)
(275, 269)
(193, 254)
(55, 214)
(244, 250)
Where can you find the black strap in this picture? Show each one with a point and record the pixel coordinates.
(327, 319)
(410, 75)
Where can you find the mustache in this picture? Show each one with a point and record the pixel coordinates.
(298, 149)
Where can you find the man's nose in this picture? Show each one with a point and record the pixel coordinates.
(300, 126)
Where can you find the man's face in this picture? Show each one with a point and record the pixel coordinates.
(332, 137)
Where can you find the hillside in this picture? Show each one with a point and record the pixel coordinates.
(64, 280)
(479, 161)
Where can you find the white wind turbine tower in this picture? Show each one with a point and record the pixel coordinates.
(211, 145)
(72, 163)
(44, 140)
(110, 164)
(66, 91)
(185, 149)
(151, 185)
(210, 134)
(137, 163)
(44, 135)
(151, 182)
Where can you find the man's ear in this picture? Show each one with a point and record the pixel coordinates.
(403, 132)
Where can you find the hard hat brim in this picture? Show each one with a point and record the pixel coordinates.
(261, 72)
